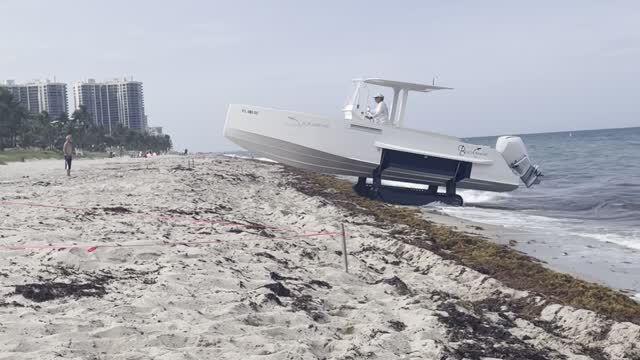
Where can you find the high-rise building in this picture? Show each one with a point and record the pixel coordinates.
(40, 96)
(53, 98)
(113, 102)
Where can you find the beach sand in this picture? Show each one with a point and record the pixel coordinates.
(227, 261)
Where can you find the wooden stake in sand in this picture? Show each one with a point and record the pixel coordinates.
(344, 250)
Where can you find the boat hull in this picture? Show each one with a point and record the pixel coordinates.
(354, 148)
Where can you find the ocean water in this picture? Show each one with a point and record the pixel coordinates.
(590, 189)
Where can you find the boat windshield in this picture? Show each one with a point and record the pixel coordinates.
(358, 102)
(360, 105)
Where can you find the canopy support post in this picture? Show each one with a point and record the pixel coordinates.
(403, 105)
(394, 107)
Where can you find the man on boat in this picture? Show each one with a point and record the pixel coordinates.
(381, 113)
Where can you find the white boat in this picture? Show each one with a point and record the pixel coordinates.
(360, 147)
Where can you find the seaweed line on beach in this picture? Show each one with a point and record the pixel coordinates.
(514, 269)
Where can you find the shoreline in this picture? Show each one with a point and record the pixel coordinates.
(515, 268)
(617, 271)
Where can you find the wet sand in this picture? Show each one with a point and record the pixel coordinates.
(607, 263)
(150, 259)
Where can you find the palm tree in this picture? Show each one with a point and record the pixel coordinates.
(45, 130)
(80, 124)
(12, 118)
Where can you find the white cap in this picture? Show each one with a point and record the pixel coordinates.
(379, 95)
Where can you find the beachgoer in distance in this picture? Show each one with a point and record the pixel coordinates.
(67, 150)
(381, 113)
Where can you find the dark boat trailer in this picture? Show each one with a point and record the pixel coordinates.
(453, 170)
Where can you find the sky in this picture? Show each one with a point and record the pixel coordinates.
(516, 66)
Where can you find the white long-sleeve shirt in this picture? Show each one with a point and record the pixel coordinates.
(381, 114)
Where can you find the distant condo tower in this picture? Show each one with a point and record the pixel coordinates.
(112, 102)
(40, 96)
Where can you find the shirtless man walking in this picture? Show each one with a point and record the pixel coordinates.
(67, 150)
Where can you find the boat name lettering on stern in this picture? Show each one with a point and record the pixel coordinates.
(478, 151)
(304, 123)
(252, 112)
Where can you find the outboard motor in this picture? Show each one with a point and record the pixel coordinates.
(515, 154)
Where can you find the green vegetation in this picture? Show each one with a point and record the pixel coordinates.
(22, 155)
(512, 268)
(21, 129)
(16, 155)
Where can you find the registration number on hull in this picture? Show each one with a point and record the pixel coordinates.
(250, 112)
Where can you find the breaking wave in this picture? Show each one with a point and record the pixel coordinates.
(483, 197)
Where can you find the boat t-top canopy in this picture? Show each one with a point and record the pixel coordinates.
(403, 85)
(399, 102)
